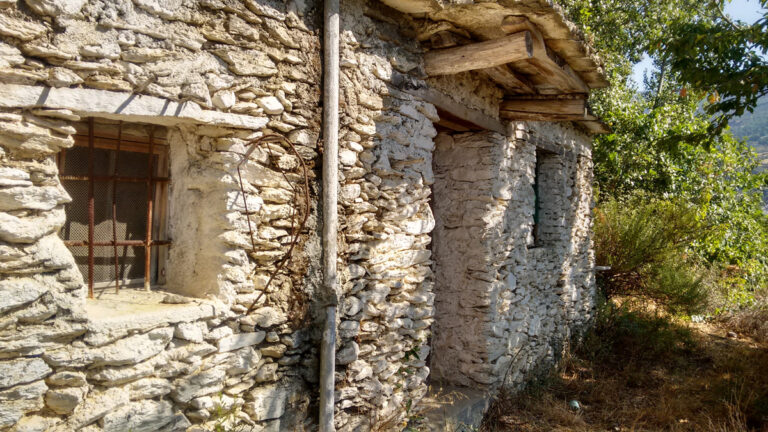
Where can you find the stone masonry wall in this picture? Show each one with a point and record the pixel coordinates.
(386, 173)
(215, 74)
(504, 305)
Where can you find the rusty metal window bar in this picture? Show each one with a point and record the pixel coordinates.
(112, 224)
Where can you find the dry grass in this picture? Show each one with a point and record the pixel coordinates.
(752, 323)
(711, 384)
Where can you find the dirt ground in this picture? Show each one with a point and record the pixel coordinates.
(705, 381)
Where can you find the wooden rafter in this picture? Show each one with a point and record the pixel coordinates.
(507, 79)
(550, 73)
(480, 55)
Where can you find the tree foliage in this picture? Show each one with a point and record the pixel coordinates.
(670, 139)
(722, 57)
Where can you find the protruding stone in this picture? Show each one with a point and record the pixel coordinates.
(268, 316)
(240, 340)
(67, 378)
(19, 29)
(268, 403)
(130, 350)
(192, 332)
(143, 416)
(348, 353)
(63, 401)
(19, 400)
(22, 371)
(56, 8)
(224, 99)
(200, 384)
(252, 62)
(270, 105)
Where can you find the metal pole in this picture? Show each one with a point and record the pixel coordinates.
(330, 202)
(91, 208)
(148, 238)
(114, 205)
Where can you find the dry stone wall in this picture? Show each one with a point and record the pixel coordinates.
(215, 74)
(506, 305)
(386, 174)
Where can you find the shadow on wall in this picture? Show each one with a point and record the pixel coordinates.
(502, 305)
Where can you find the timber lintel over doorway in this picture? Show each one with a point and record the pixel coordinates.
(457, 116)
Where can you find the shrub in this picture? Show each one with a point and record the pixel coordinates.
(623, 332)
(644, 243)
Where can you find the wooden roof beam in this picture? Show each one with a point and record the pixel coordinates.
(507, 79)
(551, 68)
(538, 109)
(480, 55)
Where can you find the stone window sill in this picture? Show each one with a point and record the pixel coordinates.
(112, 315)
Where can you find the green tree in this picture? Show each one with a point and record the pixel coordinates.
(721, 56)
(666, 142)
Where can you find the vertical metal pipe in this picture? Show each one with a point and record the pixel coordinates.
(330, 202)
(91, 207)
(114, 205)
(148, 238)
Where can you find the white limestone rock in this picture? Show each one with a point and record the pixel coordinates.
(128, 351)
(267, 403)
(143, 416)
(33, 198)
(268, 317)
(350, 192)
(349, 329)
(56, 8)
(16, 292)
(111, 376)
(22, 371)
(224, 99)
(149, 388)
(192, 332)
(20, 29)
(249, 63)
(18, 400)
(267, 373)
(35, 423)
(30, 228)
(67, 378)
(63, 401)
(347, 157)
(240, 340)
(10, 56)
(270, 105)
(273, 351)
(244, 360)
(200, 384)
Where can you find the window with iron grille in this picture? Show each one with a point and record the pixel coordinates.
(117, 175)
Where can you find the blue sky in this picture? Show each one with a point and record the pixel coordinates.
(743, 10)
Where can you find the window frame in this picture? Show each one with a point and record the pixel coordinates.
(156, 199)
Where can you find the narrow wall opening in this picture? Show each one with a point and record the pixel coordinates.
(467, 168)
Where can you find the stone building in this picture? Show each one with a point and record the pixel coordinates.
(161, 215)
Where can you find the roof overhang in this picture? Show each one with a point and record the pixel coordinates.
(527, 47)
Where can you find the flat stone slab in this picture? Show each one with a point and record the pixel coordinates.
(122, 106)
(112, 316)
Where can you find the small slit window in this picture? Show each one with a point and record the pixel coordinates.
(546, 199)
(117, 175)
